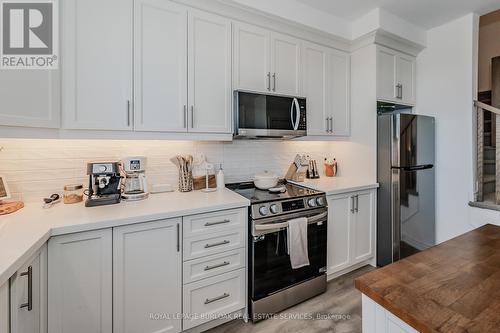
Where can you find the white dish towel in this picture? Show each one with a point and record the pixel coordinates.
(297, 242)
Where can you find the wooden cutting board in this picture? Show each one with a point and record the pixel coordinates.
(10, 207)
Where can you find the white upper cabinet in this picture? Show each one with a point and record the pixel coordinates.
(285, 64)
(160, 58)
(395, 76)
(97, 64)
(41, 109)
(266, 61)
(252, 69)
(209, 69)
(338, 92)
(326, 86)
(182, 69)
(405, 70)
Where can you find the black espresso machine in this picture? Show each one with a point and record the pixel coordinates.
(104, 183)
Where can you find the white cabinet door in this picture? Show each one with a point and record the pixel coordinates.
(285, 65)
(363, 227)
(80, 283)
(29, 315)
(405, 69)
(97, 75)
(40, 109)
(339, 232)
(147, 277)
(160, 58)
(209, 68)
(314, 83)
(386, 74)
(395, 76)
(326, 86)
(4, 308)
(252, 70)
(338, 92)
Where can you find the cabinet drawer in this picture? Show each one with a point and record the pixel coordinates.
(216, 264)
(205, 245)
(206, 299)
(202, 224)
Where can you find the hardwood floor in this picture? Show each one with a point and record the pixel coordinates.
(341, 301)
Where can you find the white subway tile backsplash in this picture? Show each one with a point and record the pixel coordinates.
(36, 168)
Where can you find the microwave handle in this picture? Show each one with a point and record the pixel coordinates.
(297, 116)
(295, 122)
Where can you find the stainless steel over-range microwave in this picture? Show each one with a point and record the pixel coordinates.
(268, 116)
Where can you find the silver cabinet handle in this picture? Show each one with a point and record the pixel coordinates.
(331, 124)
(357, 202)
(399, 91)
(192, 116)
(269, 81)
(224, 242)
(352, 204)
(209, 224)
(274, 81)
(211, 300)
(178, 237)
(327, 125)
(208, 268)
(28, 305)
(128, 113)
(185, 116)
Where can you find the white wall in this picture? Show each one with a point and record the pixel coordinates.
(446, 87)
(36, 168)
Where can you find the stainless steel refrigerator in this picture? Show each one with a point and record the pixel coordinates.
(405, 171)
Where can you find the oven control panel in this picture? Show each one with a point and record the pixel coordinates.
(268, 209)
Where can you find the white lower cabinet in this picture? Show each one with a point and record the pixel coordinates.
(80, 280)
(214, 266)
(351, 229)
(4, 308)
(208, 299)
(28, 296)
(147, 280)
(376, 319)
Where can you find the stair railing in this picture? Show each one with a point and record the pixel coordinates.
(480, 108)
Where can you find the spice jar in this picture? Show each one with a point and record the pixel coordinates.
(73, 193)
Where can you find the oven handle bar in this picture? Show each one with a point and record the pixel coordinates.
(312, 219)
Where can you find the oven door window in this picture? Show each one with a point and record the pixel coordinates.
(271, 268)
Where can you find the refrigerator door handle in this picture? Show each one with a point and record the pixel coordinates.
(416, 168)
(396, 215)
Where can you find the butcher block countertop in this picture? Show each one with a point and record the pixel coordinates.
(452, 287)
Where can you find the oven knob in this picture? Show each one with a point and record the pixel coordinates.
(263, 210)
(311, 203)
(320, 201)
(274, 209)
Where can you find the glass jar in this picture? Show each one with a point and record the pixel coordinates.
(73, 193)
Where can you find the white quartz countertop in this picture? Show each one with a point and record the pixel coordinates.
(337, 185)
(25, 231)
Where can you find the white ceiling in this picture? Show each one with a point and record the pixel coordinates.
(423, 13)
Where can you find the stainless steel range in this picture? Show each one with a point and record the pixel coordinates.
(273, 284)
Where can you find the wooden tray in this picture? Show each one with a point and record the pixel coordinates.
(10, 207)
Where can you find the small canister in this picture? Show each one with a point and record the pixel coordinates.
(73, 193)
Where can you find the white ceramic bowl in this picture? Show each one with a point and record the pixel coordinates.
(265, 180)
